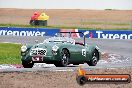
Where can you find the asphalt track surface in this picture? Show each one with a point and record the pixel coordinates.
(120, 53)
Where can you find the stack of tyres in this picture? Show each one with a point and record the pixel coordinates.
(42, 19)
(38, 19)
(34, 18)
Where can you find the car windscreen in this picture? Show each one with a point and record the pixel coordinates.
(60, 40)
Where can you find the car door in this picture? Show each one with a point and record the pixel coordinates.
(77, 53)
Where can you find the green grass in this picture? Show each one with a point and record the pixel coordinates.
(16, 25)
(105, 23)
(70, 27)
(30, 26)
(10, 53)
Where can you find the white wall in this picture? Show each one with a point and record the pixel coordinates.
(67, 4)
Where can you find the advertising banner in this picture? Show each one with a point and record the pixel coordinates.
(108, 34)
(28, 31)
(105, 34)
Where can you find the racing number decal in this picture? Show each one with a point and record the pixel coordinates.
(84, 52)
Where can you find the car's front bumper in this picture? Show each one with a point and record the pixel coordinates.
(45, 59)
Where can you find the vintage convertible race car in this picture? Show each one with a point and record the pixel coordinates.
(60, 51)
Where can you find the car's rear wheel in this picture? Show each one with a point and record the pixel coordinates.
(94, 60)
(27, 64)
(64, 61)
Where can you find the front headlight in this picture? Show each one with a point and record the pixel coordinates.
(23, 48)
(55, 48)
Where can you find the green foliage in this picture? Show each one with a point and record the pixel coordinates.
(10, 53)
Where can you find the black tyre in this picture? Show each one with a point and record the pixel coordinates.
(64, 61)
(32, 22)
(95, 58)
(27, 64)
(81, 80)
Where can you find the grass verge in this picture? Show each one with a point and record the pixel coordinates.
(10, 53)
(66, 27)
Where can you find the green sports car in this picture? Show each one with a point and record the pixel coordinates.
(60, 51)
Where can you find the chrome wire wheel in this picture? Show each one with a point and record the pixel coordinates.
(65, 57)
(94, 59)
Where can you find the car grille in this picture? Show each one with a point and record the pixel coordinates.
(38, 51)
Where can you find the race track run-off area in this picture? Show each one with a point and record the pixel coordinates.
(115, 54)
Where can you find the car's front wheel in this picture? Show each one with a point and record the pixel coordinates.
(27, 64)
(64, 60)
(94, 60)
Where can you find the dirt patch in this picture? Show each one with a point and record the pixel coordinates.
(49, 79)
